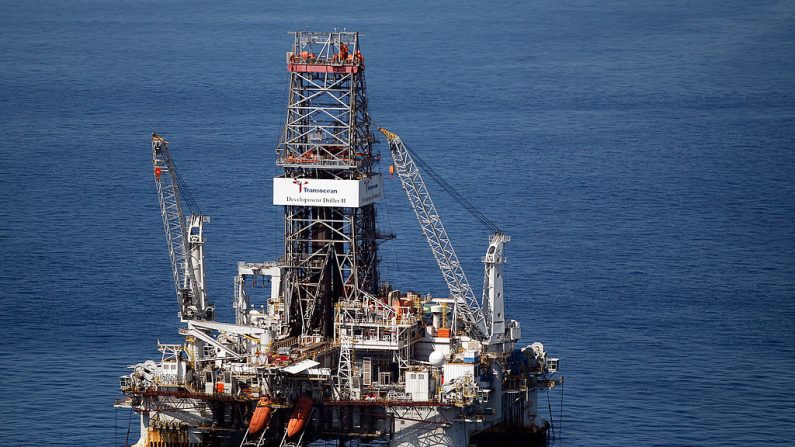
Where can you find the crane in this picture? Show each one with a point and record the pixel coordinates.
(467, 307)
(184, 236)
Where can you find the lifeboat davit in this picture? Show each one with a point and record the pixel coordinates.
(301, 412)
(261, 416)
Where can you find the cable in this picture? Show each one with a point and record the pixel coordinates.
(471, 209)
(185, 194)
(560, 418)
(551, 418)
(129, 427)
(389, 229)
(193, 206)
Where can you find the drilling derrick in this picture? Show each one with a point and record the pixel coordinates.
(328, 187)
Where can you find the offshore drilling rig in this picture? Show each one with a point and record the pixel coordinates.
(330, 352)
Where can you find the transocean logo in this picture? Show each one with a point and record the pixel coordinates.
(300, 185)
(303, 186)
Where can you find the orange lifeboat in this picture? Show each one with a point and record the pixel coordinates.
(300, 415)
(261, 416)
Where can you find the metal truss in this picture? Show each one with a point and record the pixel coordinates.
(330, 252)
(318, 267)
(345, 370)
(327, 125)
(184, 238)
(255, 273)
(429, 426)
(467, 306)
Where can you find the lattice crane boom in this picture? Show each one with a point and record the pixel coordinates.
(184, 237)
(468, 309)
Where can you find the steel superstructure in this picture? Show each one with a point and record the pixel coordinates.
(330, 252)
(467, 307)
(184, 235)
(329, 352)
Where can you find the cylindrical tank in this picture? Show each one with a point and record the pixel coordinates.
(437, 316)
(266, 338)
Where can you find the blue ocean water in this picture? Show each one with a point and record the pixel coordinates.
(640, 154)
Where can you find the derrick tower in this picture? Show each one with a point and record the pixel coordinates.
(328, 187)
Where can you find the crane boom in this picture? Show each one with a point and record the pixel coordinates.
(467, 306)
(184, 237)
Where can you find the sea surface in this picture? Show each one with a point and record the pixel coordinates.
(641, 155)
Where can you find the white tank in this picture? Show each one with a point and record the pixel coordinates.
(437, 316)
(436, 358)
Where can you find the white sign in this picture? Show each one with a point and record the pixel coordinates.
(316, 192)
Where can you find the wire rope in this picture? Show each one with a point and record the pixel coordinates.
(457, 196)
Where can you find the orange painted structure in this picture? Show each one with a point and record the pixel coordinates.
(301, 413)
(261, 416)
